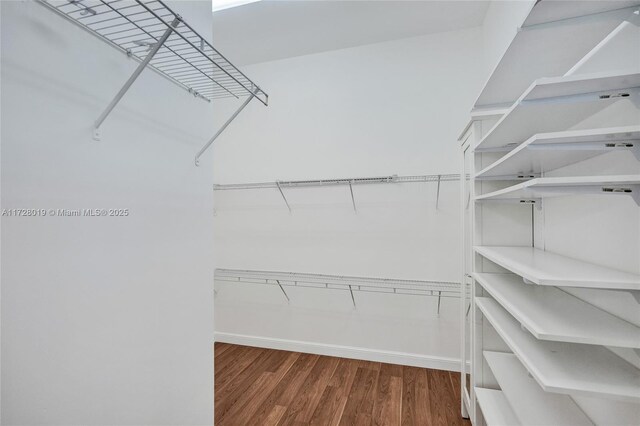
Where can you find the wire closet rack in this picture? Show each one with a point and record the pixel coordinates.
(158, 38)
(351, 284)
(351, 182)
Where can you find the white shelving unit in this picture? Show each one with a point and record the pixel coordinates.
(561, 367)
(545, 152)
(550, 269)
(535, 189)
(532, 405)
(551, 328)
(549, 313)
(548, 22)
(496, 408)
(558, 103)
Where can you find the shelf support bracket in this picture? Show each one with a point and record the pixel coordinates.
(353, 299)
(438, 192)
(224, 126)
(439, 297)
(353, 200)
(283, 292)
(156, 47)
(283, 197)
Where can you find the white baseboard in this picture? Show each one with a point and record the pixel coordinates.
(391, 357)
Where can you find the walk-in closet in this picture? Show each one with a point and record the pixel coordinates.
(320, 212)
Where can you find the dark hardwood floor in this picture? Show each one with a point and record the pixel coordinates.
(256, 386)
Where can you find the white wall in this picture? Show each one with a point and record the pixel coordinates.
(501, 22)
(381, 109)
(105, 320)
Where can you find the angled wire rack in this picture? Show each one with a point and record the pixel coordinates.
(280, 184)
(351, 284)
(335, 182)
(158, 38)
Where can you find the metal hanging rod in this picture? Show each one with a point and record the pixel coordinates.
(350, 182)
(351, 284)
(159, 39)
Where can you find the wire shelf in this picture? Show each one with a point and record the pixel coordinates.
(336, 182)
(185, 57)
(341, 282)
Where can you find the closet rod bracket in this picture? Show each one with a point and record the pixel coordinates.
(152, 52)
(225, 125)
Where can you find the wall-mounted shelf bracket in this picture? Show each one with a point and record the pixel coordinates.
(155, 47)
(283, 197)
(438, 191)
(519, 176)
(224, 126)
(537, 203)
(353, 299)
(283, 292)
(353, 200)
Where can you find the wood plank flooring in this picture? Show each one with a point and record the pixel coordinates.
(256, 386)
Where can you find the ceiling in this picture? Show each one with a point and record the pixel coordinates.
(276, 29)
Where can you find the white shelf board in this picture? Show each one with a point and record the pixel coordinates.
(558, 103)
(552, 314)
(561, 186)
(567, 368)
(495, 408)
(532, 405)
(552, 49)
(544, 152)
(550, 269)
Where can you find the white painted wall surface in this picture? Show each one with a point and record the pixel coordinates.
(104, 320)
(381, 109)
(501, 22)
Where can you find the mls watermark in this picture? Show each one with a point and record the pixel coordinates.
(65, 212)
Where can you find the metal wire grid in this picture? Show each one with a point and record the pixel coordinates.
(334, 182)
(186, 58)
(339, 282)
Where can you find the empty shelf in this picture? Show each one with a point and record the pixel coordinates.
(551, 314)
(535, 189)
(532, 405)
(558, 103)
(557, 47)
(339, 282)
(567, 368)
(549, 151)
(550, 269)
(336, 182)
(495, 408)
